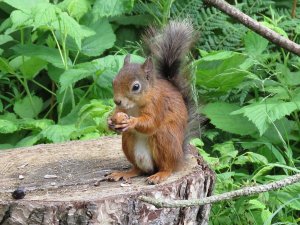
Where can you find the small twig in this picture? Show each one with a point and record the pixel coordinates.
(293, 14)
(255, 26)
(221, 197)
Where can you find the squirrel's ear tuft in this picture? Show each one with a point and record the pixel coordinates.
(127, 59)
(148, 66)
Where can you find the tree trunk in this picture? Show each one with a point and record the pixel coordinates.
(60, 186)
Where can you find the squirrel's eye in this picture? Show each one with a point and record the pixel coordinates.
(136, 87)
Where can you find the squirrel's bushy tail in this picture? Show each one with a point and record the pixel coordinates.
(169, 47)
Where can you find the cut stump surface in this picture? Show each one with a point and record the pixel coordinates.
(59, 179)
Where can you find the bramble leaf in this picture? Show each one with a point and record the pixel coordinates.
(219, 114)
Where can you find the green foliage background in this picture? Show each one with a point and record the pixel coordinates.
(58, 58)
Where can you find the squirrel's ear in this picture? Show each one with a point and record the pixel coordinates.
(148, 65)
(127, 59)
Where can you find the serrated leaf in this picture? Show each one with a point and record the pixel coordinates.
(104, 38)
(58, 133)
(32, 124)
(257, 204)
(21, 19)
(71, 27)
(31, 67)
(255, 44)
(256, 158)
(28, 141)
(220, 70)
(103, 8)
(219, 114)
(286, 76)
(71, 76)
(5, 67)
(76, 8)
(227, 153)
(44, 15)
(4, 38)
(25, 6)
(50, 55)
(263, 114)
(7, 126)
(262, 171)
(28, 107)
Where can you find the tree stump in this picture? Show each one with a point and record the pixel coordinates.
(59, 182)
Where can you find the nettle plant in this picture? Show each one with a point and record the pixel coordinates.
(55, 78)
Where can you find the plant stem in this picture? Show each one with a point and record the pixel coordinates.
(22, 42)
(43, 87)
(77, 54)
(293, 14)
(59, 49)
(73, 98)
(60, 107)
(52, 101)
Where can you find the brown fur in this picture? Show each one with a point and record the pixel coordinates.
(158, 111)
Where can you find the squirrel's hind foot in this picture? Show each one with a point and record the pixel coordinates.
(158, 177)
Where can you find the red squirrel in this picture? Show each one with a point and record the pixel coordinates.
(153, 104)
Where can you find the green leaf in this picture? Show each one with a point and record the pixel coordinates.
(50, 55)
(5, 67)
(279, 131)
(255, 44)
(286, 76)
(256, 158)
(219, 114)
(58, 133)
(76, 8)
(21, 19)
(103, 8)
(71, 27)
(107, 67)
(71, 76)
(275, 28)
(263, 114)
(221, 70)
(257, 204)
(140, 20)
(28, 107)
(262, 171)
(7, 126)
(1, 106)
(25, 6)
(4, 38)
(28, 141)
(44, 15)
(32, 124)
(103, 39)
(227, 153)
(30, 68)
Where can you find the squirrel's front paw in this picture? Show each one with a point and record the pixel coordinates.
(117, 119)
(125, 175)
(127, 124)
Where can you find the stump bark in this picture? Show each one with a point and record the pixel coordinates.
(59, 182)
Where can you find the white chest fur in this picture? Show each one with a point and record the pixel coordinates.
(143, 157)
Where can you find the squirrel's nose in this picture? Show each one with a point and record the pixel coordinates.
(117, 101)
